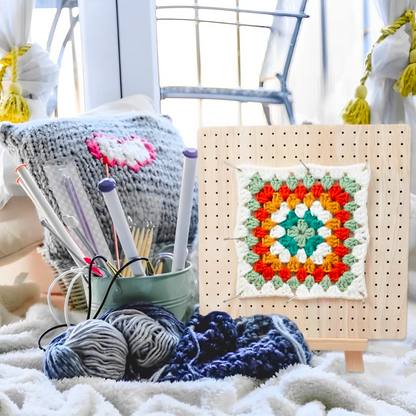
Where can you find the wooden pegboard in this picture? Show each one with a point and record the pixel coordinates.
(387, 149)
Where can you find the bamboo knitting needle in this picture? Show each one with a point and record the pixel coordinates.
(160, 268)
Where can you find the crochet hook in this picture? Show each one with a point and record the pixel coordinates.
(107, 187)
(185, 209)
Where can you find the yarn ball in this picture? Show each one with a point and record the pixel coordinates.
(215, 346)
(92, 348)
(141, 341)
(128, 343)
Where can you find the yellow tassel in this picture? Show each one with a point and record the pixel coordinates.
(406, 84)
(357, 111)
(14, 107)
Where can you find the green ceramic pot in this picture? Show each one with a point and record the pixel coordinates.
(169, 290)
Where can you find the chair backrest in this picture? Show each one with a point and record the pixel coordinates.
(283, 35)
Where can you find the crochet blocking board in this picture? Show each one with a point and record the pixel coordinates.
(387, 149)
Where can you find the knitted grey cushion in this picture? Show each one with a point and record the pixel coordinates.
(146, 185)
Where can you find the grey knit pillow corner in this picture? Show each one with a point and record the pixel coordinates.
(148, 180)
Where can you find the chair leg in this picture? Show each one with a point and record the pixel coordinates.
(266, 111)
(289, 109)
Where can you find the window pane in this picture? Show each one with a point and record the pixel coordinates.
(70, 87)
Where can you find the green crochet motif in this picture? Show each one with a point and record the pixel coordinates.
(309, 282)
(351, 207)
(251, 240)
(253, 205)
(256, 279)
(256, 184)
(326, 282)
(252, 223)
(349, 260)
(350, 243)
(252, 257)
(276, 184)
(293, 283)
(351, 225)
(349, 185)
(308, 181)
(277, 282)
(291, 182)
(345, 280)
(301, 232)
(327, 182)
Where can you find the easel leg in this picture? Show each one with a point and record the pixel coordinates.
(354, 361)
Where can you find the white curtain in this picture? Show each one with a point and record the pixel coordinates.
(37, 75)
(389, 59)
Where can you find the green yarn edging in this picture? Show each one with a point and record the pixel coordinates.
(351, 225)
(293, 283)
(327, 182)
(276, 184)
(350, 243)
(308, 181)
(351, 207)
(252, 257)
(252, 223)
(326, 283)
(277, 282)
(253, 205)
(349, 260)
(309, 282)
(291, 182)
(256, 279)
(251, 240)
(256, 184)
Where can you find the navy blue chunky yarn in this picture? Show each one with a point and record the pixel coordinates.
(142, 341)
(258, 347)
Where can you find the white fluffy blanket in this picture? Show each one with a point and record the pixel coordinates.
(387, 387)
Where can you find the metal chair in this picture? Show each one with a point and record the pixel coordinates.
(282, 41)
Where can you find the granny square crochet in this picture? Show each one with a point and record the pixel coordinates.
(302, 232)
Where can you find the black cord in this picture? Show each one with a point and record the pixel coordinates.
(91, 265)
(98, 256)
(119, 271)
(47, 332)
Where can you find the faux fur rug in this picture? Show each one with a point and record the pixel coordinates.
(387, 387)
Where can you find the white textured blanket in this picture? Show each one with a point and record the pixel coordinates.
(387, 387)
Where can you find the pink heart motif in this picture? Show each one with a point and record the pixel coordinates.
(132, 151)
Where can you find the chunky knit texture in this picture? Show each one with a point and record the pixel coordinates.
(141, 341)
(145, 187)
(216, 346)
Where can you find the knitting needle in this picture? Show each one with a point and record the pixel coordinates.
(185, 209)
(46, 225)
(107, 173)
(49, 213)
(107, 187)
(21, 182)
(160, 268)
(76, 204)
